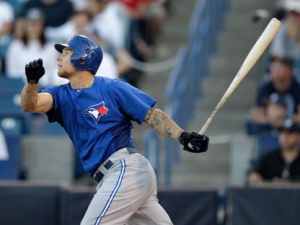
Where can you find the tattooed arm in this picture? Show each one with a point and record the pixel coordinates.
(163, 124)
(32, 101)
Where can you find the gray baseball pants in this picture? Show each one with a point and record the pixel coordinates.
(127, 194)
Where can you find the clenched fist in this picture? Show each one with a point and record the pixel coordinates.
(194, 142)
(34, 71)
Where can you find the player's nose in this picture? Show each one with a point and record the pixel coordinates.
(58, 58)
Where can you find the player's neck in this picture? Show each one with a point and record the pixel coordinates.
(82, 80)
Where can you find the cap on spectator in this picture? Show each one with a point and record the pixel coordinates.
(285, 60)
(290, 126)
(292, 5)
(35, 14)
(276, 98)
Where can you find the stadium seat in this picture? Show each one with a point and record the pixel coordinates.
(10, 168)
(10, 112)
(266, 143)
(10, 86)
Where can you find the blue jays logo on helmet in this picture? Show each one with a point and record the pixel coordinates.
(96, 111)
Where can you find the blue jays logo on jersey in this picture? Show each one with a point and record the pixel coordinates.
(96, 111)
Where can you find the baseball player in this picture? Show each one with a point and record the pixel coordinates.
(96, 112)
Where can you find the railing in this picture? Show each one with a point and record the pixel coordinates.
(184, 87)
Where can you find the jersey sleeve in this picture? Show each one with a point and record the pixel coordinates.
(134, 102)
(53, 115)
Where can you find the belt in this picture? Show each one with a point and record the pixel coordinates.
(98, 176)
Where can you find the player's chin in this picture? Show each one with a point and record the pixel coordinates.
(62, 74)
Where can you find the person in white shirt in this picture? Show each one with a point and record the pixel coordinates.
(110, 21)
(6, 24)
(33, 44)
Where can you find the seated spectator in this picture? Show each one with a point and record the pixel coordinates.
(275, 115)
(57, 12)
(287, 41)
(281, 165)
(110, 21)
(146, 19)
(6, 24)
(282, 82)
(31, 46)
(276, 110)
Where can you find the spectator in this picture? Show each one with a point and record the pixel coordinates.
(146, 19)
(276, 110)
(33, 44)
(6, 24)
(282, 82)
(281, 164)
(109, 21)
(287, 41)
(275, 115)
(57, 12)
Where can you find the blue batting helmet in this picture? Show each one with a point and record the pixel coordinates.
(88, 54)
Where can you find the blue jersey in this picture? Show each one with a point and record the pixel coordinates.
(98, 118)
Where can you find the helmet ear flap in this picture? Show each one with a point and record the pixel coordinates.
(81, 61)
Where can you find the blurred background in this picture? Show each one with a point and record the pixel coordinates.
(185, 54)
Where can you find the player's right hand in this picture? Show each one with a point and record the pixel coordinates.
(194, 142)
(34, 71)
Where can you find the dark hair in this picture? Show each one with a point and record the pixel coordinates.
(42, 38)
(290, 126)
(37, 15)
(288, 61)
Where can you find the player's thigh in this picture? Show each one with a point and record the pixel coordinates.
(109, 204)
(121, 194)
(152, 213)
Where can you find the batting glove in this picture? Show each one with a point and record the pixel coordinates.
(34, 71)
(194, 142)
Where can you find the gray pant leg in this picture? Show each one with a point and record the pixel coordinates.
(150, 214)
(126, 188)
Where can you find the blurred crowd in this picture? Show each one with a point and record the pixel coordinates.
(275, 114)
(126, 30)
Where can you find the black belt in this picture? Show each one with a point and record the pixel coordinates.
(99, 175)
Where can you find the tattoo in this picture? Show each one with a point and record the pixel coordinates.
(163, 124)
(29, 97)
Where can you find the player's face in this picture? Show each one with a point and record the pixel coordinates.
(65, 68)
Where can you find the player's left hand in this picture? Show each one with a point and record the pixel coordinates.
(194, 142)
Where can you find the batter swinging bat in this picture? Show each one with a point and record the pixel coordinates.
(252, 57)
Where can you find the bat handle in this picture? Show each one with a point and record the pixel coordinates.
(213, 115)
(204, 128)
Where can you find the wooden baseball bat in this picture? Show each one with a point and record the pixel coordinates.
(252, 57)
